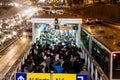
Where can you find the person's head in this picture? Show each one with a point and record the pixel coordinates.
(25, 69)
(57, 62)
(84, 67)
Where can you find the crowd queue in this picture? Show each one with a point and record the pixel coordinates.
(47, 55)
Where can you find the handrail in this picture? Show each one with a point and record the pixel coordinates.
(95, 64)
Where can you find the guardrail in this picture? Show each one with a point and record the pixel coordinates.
(5, 46)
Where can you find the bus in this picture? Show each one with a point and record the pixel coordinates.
(103, 43)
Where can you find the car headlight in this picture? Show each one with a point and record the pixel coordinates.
(24, 33)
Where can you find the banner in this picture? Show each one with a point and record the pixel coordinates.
(57, 27)
(48, 76)
(64, 76)
(38, 76)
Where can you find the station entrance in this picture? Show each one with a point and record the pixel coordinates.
(65, 30)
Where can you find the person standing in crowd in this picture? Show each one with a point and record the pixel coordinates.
(77, 65)
(84, 71)
(48, 61)
(25, 69)
(44, 65)
(57, 66)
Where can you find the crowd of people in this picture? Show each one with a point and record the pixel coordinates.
(64, 58)
(46, 55)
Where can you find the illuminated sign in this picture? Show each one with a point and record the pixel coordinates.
(57, 27)
(64, 76)
(28, 20)
(75, 27)
(66, 28)
(32, 76)
(38, 76)
(20, 76)
(81, 77)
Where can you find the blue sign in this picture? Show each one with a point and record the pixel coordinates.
(20, 76)
(75, 27)
(56, 27)
(81, 77)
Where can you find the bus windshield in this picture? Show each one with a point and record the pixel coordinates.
(116, 66)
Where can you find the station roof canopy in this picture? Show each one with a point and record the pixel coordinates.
(65, 15)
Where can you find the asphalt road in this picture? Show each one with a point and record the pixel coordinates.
(12, 54)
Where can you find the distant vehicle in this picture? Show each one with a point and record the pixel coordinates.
(60, 12)
(47, 9)
(98, 20)
(28, 32)
(2, 39)
(8, 34)
(89, 21)
(53, 11)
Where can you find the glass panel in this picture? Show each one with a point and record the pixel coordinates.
(102, 57)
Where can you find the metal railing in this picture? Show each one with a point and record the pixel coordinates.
(93, 66)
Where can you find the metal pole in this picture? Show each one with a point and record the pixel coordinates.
(51, 75)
